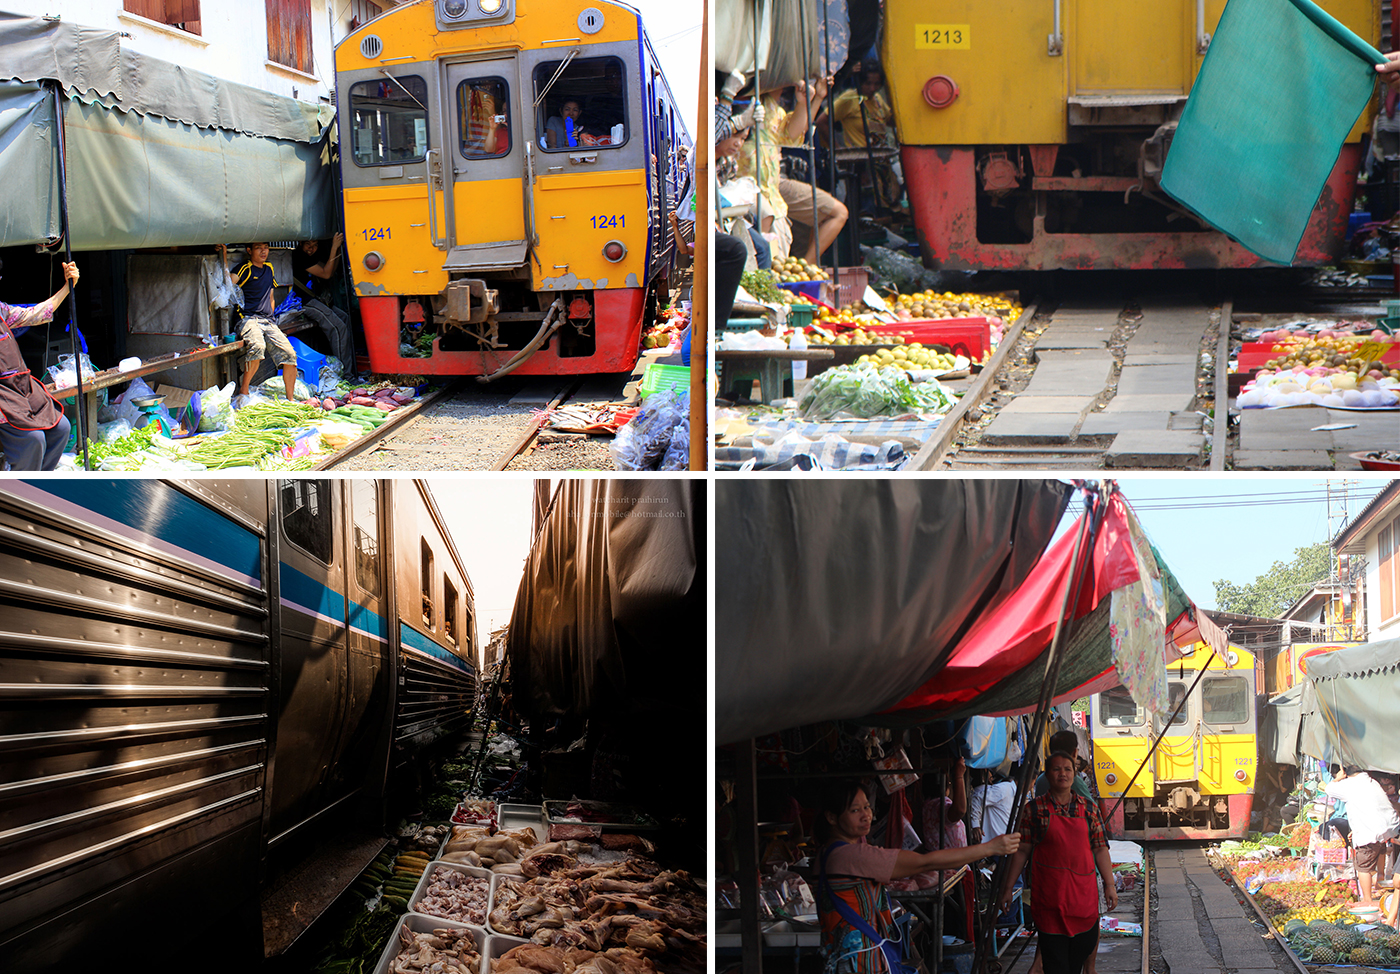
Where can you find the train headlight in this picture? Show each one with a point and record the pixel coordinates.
(614, 250)
(453, 9)
(1110, 778)
(374, 260)
(940, 91)
(489, 6)
(1240, 775)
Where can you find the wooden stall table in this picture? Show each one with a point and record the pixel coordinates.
(772, 365)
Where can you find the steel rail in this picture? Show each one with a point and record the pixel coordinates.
(400, 418)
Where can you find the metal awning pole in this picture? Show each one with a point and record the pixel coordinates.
(827, 72)
(757, 129)
(78, 404)
(700, 307)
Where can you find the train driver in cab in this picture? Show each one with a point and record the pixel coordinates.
(564, 129)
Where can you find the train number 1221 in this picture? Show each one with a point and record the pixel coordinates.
(942, 37)
(601, 222)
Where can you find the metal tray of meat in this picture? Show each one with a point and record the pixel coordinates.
(510, 816)
(497, 945)
(614, 818)
(418, 923)
(442, 846)
(427, 881)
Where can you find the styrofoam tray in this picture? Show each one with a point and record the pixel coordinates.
(554, 814)
(424, 924)
(522, 816)
(442, 846)
(427, 881)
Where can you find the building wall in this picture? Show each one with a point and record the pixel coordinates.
(232, 43)
(1378, 627)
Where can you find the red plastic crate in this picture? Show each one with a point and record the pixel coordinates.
(1253, 355)
(965, 336)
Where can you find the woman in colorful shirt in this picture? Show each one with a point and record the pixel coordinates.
(851, 894)
(33, 429)
(1068, 839)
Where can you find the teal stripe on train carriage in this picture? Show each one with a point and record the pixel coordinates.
(155, 513)
(368, 621)
(408, 636)
(301, 591)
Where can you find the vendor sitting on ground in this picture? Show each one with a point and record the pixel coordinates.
(33, 429)
(258, 330)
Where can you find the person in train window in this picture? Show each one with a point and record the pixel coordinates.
(563, 129)
(1070, 844)
(487, 132)
(33, 429)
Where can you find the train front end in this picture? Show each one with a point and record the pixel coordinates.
(483, 235)
(1034, 133)
(1199, 781)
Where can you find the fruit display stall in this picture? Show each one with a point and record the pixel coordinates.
(892, 365)
(1290, 881)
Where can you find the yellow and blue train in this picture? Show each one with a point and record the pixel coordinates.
(507, 173)
(1199, 783)
(204, 680)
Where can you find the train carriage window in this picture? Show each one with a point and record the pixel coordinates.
(1225, 700)
(1175, 691)
(483, 119)
(389, 121)
(426, 560)
(586, 106)
(449, 611)
(365, 512)
(1117, 709)
(306, 516)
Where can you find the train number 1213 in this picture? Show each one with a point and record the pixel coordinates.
(601, 222)
(942, 37)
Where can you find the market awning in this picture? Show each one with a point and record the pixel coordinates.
(158, 155)
(786, 33)
(835, 599)
(1118, 635)
(1349, 703)
(609, 619)
(1279, 724)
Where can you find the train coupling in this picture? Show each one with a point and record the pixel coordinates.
(470, 302)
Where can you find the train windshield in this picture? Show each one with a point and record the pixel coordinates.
(1117, 709)
(483, 117)
(1175, 692)
(389, 121)
(1225, 700)
(585, 106)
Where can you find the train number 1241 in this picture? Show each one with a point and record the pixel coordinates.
(376, 233)
(942, 37)
(601, 222)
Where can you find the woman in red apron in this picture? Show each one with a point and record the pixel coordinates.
(1070, 845)
(858, 931)
(33, 429)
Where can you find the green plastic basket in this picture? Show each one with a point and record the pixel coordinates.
(675, 378)
(801, 315)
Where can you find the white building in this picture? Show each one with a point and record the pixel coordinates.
(1373, 539)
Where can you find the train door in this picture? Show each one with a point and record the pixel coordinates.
(1117, 54)
(1228, 733)
(483, 162)
(589, 192)
(312, 668)
(369, 687)
(1175, 759)
(1122, 735)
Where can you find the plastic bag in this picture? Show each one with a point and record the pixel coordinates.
(63, 375)
(678, 452)
(643, 442)
(113, 431)
(216, 408)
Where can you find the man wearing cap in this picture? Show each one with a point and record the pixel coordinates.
(33, 429)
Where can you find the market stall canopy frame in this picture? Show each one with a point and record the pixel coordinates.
(1349, 707)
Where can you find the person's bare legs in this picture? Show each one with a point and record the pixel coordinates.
(1366, 880)
(289, 378)
(827, 232)
(248, 374)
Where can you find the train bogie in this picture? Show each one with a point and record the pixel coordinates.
(1198, 783)
(482, 213)
(1034, 133)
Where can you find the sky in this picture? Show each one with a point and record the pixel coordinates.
(489, 521)
(674, 29)
(1202, 539)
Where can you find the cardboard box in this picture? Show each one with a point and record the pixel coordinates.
(175, 397)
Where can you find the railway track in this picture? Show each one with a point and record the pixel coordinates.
(1107, 382)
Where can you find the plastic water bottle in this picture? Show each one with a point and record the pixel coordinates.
(799, 342)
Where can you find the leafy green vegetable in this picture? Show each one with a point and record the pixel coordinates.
(864, 391)
(761, 285)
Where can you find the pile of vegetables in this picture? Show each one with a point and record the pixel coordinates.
(268, 414)
(764, 287)
(240, 447)
(358, 949)
(865, 391)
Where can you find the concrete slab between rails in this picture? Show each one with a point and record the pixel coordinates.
(1224, 908)
(1154, 448)
(1132, 357)
(1111, 424)
(1030, 429)
(1047, 404)
(1284, 460)
(1056, 337)
(1156, 403)
(1275, 440)
(1157, 380)
(1062, 357)
(1069, 377)
(1374, 431)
